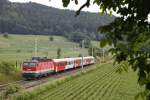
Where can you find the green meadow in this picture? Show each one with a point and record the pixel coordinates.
(100, 83)
(21, 47)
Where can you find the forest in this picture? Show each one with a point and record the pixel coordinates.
(33, 18)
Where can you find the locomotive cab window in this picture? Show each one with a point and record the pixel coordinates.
(29, 64)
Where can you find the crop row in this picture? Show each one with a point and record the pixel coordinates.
(101, 83)
(84, 86)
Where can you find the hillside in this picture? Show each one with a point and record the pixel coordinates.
(20, 47)
(32, 18)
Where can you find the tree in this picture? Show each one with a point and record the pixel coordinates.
(5, 35)
(51, 38)
(2, 3)
(129, 34)
(80, 55)
(86, 44)
(58, 52)
(15, 20)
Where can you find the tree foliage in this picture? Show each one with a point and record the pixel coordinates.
(3, 3)
(51, 38)
(8, 68)
(12, 89)
(33, 18)
(59, 52)
(5, 35)
(129, 34)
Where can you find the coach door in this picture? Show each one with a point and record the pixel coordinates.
(70, 64)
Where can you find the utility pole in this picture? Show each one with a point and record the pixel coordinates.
(35, 47)
(148, 25)
(82, 53)
(103, 54)
(92, 50)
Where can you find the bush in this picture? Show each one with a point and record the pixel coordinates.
(6, 68)
(58, 52)
(8, 72)
(11, 89)
(18, 51)
(51, 38)
(5, 35)
(80, 55)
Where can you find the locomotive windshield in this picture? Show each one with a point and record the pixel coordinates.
(29, 64)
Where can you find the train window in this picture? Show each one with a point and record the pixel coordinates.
(63, 63)
(70, 62)
(60, 64)
(32, 64)
(29, 64)
(25, 64)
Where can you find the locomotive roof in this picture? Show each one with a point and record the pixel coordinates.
(37, 59)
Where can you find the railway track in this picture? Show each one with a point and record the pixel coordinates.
(26, 84)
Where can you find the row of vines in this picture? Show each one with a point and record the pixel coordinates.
(103, 83)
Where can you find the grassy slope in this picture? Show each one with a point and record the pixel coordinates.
(101, 84)
(21, 47)
(25, 44)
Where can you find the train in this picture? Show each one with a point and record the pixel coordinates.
(37, 67)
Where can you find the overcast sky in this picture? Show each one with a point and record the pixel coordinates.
(58, 4)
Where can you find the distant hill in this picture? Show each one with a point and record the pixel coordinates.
(33, 18)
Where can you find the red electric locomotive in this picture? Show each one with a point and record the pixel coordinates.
(37, 67)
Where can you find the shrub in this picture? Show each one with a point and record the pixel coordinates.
(6, 68)
(5, 35)
(59, 52)
(18, 51)
(80, 55)
(9, 72)
(11, 89)
(51, 38)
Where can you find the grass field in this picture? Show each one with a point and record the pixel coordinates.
(102, 83)
(20, 47)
